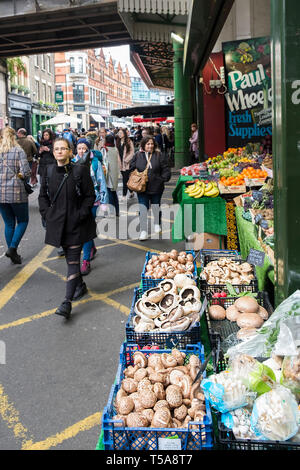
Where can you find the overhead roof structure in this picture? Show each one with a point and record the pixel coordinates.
(39, 26)
(145, 111)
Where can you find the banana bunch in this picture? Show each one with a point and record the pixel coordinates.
(200, 189)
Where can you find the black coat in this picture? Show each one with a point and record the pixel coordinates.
(70, 220)
(46, 157)
(159, 174)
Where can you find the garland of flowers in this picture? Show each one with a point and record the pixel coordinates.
(232, 236)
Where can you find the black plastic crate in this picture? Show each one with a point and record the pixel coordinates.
(227, 441)
(149, 283)
(161, 339)
(210, 255)
(219, 330)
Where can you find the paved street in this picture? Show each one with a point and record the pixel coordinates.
(58, 374)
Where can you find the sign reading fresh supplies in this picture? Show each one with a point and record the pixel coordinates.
(249, 94)
(59, 97)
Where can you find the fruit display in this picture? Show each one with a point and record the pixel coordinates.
(233, 180)
(167, 307)
(157, 391)
(167, 264)
(201, 189)
(251, 172)
(226, 270)
(193, 170)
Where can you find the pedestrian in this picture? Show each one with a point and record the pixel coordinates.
(66, 200)
(46, 156)
(158, 173)
(27, 145)
(158, 138)
(194, 143)
(100, 141)
(113, 165)
(85, 156)
(34, 167)
(91, 136)
(14, 168)
(68, 134)
(126, 151)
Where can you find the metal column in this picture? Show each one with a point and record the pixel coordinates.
(286, 144)
(182, 108)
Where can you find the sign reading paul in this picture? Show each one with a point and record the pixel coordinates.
(249, 92)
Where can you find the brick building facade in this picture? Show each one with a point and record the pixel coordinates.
(92, 86)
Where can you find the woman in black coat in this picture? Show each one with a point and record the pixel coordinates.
(158, 174)
(46, 156)
(68, 215)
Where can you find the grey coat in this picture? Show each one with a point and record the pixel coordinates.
(112, 162)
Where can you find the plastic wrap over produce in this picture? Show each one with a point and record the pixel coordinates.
(290, 374)
(239, 422)
(226, 391)
(256, 376)
(279, 334)
(275, 415)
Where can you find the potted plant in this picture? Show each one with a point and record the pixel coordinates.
(13, 86)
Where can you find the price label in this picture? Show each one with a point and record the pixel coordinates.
(256, 257)
(169, 443)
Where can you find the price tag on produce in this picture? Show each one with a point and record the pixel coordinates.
(256, 257)
(169, 443)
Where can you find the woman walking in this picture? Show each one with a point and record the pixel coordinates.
(66, 200)
(126, 151)
(100, 141)
(14, 168)
(194, 143)
(158, 174)
(113, 164)
(86, 157)
(46, 156)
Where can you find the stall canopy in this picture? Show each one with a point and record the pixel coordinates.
(60, 119)
(146, 111)
(97, 118)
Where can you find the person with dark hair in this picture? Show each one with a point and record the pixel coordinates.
(46, 156)
(126, 151)
(29, 147)
(113, 165)
(158, 174)
(66, 200)
(194, 143)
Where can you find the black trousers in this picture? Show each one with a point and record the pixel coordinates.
(74, 278)
(125, 176)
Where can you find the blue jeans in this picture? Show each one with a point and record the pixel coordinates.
(144, 201)
(90, 244)
(14, 213)
(113, 200)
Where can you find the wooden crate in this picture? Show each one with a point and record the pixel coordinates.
(231, 189)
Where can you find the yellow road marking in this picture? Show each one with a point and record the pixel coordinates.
(11, 417)
(93, 297)
(19, 280)
(68, 433)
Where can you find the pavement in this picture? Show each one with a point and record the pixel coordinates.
(56, 375)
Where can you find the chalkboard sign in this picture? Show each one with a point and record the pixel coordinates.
(256, 257)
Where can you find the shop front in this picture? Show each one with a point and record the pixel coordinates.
(19, 112)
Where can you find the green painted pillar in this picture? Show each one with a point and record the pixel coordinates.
(182, 107)
(286, 144)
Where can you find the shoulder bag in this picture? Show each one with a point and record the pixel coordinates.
(138, 179)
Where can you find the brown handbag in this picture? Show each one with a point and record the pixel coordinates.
(138, 179)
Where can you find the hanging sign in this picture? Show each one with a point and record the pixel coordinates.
(256, 257)
(248, 98)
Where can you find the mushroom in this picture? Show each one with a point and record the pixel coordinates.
(144, 327)
(179, 325)
(148, 413)
(168, 302)
(149, 309)
(144, 384)
(130, 371)
(140, 374)
(161, 404)
(175, 313)
(168, 360)
(174, 396)
(148, 398)
(180, 412)
(154, 361)
(157, 377)
(119, 417)
(179, 356)
(168, 286)
(161, 418)
(159, 391)
(120, 394)
(136, 420)
(129, 385)
(153, 295)
(176, 377)
(125, 405)
(186, 386)
(140, 360)
(190, 305)
(189, 292)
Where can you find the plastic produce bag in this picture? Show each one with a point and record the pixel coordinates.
(264, 342)
(226, 392)
(239, 422)
(290, 374)
(257, 376)
(275, 415)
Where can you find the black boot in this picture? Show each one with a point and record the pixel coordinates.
(64, 309)
(80, 291)
(13, 255)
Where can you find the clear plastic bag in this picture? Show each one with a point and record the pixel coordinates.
(290, 374)
(257, 376)
(226, 392)
(275, 415)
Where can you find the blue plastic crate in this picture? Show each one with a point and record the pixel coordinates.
(118, 437)
(162, 339)
(148, 283)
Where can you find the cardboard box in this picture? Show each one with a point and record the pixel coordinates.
(207, 241)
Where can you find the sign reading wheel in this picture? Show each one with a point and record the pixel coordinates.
(59, 97)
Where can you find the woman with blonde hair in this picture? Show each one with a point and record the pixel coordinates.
(14, 168)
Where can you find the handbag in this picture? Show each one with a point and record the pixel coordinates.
(138, 179)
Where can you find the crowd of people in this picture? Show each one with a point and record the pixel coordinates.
(78, 172)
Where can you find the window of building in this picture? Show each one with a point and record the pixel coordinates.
(36, 60)
(49, 94)
(37, 90)
(42, 62)
(49, 63)
(72, 65)
(78, 94)
(44, 96)
(102, 99)
(80, 64)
